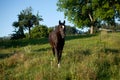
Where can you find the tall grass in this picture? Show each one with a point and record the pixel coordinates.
(92, 57)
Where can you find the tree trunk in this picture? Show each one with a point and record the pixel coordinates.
(91, 29)
(92, 22)
(29, 33)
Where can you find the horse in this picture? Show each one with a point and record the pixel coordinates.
(57, 40)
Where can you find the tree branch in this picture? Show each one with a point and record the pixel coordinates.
(90, 17)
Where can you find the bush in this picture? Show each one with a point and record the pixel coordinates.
(39, 31)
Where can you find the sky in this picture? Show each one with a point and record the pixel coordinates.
(9, 10)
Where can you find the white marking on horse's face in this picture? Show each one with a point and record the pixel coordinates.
(63, 26)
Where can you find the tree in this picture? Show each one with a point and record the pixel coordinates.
(18, 34)
(108, 11)
(39, 31)
(26, 20)
(88, 12)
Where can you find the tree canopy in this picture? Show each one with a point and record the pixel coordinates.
(26, 20)
(89, 12)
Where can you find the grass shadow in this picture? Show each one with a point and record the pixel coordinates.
(79, 36)
(5, 55)
(108, 50)
(42, 49)
(24, 42)
(86, 52)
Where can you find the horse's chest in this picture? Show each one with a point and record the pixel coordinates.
(61, 42)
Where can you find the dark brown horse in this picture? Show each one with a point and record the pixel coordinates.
(57, 40)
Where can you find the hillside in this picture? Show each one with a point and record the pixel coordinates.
(85, 57)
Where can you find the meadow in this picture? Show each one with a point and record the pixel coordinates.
(85, 57)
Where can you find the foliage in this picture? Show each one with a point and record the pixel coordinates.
(26, 20)
(39, 31)
(90, 12)
(17, 35)
(85, 57)
(70, 30)
(50, 29)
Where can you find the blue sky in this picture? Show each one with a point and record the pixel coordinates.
(9, 9)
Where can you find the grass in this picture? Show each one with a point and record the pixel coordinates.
(85, 57)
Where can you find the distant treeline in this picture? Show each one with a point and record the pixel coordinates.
(41, 31)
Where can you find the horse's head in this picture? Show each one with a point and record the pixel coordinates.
(61, 27)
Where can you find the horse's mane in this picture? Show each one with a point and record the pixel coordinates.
(56, 29)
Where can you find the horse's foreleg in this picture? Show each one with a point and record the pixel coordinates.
(59, 57)
(53, 51)
(60, 54)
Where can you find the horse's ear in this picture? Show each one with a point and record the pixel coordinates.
(59, 22)
(64, 22)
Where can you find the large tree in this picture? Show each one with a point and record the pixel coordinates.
(89, 12)
(26, 20)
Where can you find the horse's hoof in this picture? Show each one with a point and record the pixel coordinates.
(58, 65)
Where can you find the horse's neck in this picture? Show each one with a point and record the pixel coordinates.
(56, 30)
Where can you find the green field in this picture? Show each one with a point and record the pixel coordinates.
(85, 57)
